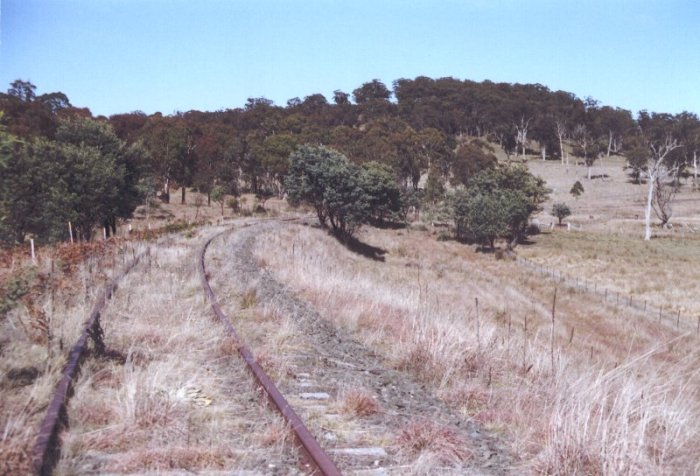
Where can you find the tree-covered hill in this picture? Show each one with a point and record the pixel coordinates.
(444, 129)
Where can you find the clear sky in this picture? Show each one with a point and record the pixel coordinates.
(175, 55)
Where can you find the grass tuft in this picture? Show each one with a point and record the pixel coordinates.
(360, 402)
(426, 436)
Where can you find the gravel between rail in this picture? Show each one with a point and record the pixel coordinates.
(320, 368)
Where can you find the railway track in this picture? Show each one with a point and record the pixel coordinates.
(147, 420)
(324, 371)
(47, 447)
(316, 458)
(46, 453)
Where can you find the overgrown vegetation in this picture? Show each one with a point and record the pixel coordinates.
(86, 176)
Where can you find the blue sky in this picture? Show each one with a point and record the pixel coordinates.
(175, 55)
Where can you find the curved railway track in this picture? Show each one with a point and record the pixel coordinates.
(47, 447)
(313, 454)
(331, 360)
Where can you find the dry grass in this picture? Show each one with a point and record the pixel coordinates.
(359, 402)
(178, 399)
(39, 332)
(610, 203)
(161, 214)
(602, 391)
(662, 271)
(183, 399)
(439, 443)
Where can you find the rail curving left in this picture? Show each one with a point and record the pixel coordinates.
(312, 452)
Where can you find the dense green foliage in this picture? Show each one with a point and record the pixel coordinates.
(326, 180)
(576, 189)
(86, 176)
(561, 211)
(498, 203)
(382, 192)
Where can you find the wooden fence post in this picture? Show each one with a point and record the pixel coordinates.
(478, 337)
(551, 337)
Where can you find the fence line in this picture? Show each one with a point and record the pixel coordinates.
(660, 312)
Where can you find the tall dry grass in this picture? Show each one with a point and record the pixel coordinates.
(598, 392)
(37, 335)
(180, 399)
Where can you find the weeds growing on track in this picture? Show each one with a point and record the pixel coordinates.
(594, 391)
(37, 333)
(182, 398)
(359, 402)
(433, 441)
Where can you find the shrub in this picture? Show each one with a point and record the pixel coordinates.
(561, 211)
(325, 179)
(360, 402)
(576, 189)
(15, 289)
(497, 204)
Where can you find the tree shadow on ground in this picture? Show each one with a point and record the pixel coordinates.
(356, 246)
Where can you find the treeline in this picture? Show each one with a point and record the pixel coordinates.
(443, 129)
(58, 165)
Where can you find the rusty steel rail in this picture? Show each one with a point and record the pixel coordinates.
(47, 447)
(321, 462)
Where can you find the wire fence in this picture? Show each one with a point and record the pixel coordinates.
(662, 313)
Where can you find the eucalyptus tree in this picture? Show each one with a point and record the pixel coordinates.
(660, 133)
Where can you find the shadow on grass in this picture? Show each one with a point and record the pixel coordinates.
(356, 246)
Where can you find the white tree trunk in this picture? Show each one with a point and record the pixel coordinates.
(561, 131)
(544, 153)
(695, 168)
(589, 171)
(610, 142)
(647, 214)
(521, 134)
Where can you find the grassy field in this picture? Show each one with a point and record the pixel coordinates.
(663, 271)
(598, 389)
(606, 246)
(612, 203)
